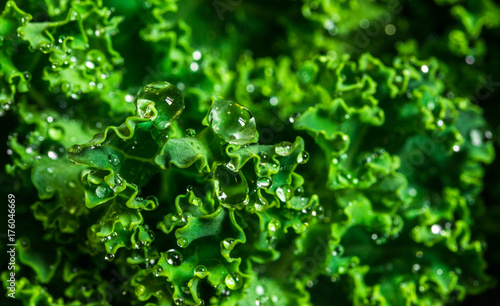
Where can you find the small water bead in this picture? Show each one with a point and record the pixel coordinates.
(174, 257)
(182, 242)
(264, 182)
(338, 250)
(233, 122)
(283, 148)
(160, 101)
(299, 191)
(234, 281)
(140, 290)
(52, 155)
(303, 157)
(285, 192)
(274, 225)
(228, 243)
(102, 191)
(201, 271)
(114, 160)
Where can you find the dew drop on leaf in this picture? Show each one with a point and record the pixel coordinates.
(233, 281)
(56, 133)
(299, 191)
(101, 191)
(228, 243)
(231, 187)
(264, 182)
(139, 290)
(303, 157)
(283, 148)
(114, 160)
(233, 122)
(338, 250)
(274, 225)
(201, 271)
(173, 257)
(161, 102)
(182, 242)
(285, 192)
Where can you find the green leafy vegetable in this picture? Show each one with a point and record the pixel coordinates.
(251, 153)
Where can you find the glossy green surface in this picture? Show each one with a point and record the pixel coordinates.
(252, 152)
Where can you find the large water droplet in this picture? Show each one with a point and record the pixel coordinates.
(285, 192)
(233, 122)
(174, 257)
(160, 101)
(283, 148)
(232, 187)
(233, 281)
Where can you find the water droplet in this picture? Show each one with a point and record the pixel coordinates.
(285, 192)
(52, 155)
(101, 191)
(233, 122)
(264, 182)
(114, 160)
(196, 55)
(436, 229)
(232, 187)
(299, 191)
(56, 133)
(274, 225)
(234, 281)
(140, 290)
(178, 301)
(228, 243)
(201, 271)
(161, 102)
(338, 250)
(415, 267)
(303, 157)
(182, 242)
(190, 132)
(476, 137)
(174, 257)
(283, 148)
